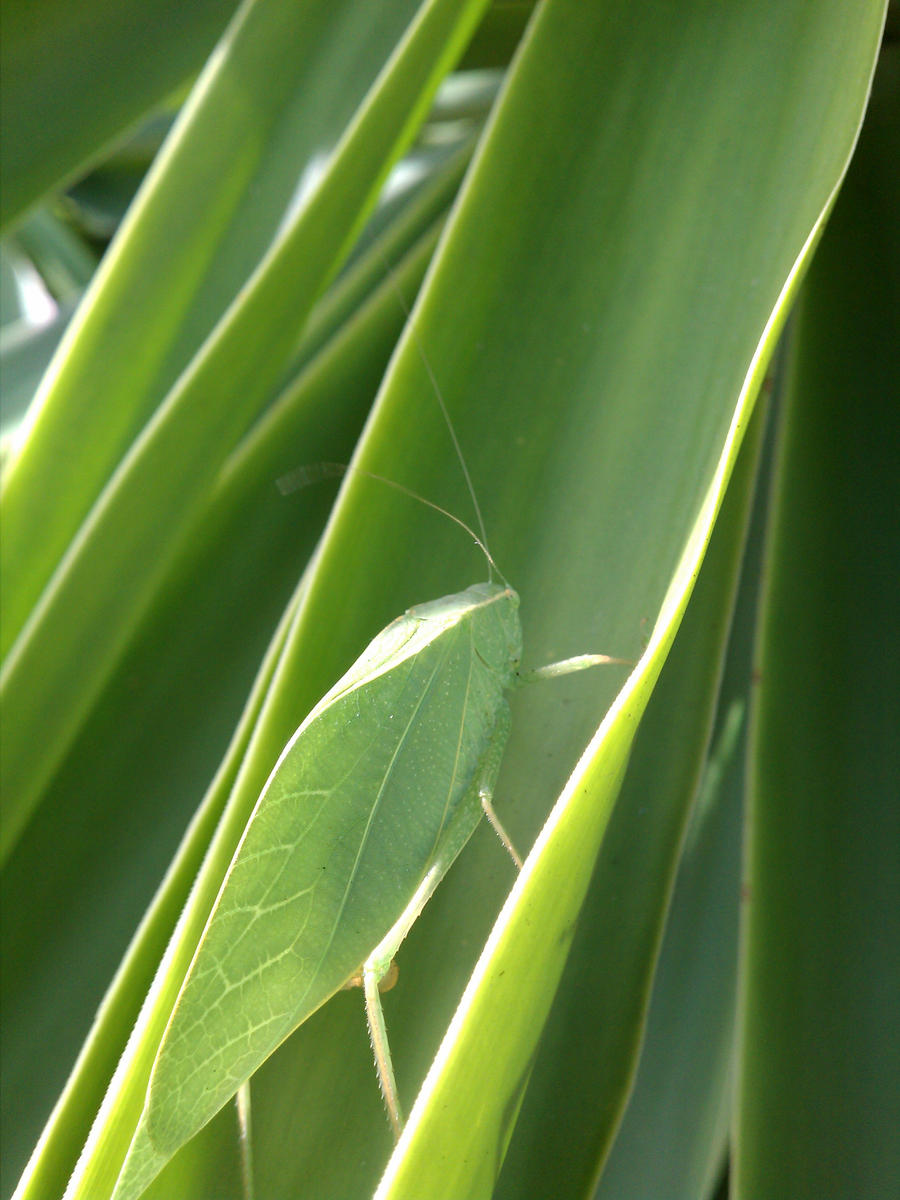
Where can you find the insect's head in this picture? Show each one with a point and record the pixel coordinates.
(499, 605)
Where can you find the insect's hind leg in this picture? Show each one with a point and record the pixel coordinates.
(380, 1048)
(375, 969)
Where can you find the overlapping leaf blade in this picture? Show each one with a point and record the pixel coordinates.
(818, 1102)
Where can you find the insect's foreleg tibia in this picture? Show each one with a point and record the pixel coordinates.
(484, 795)
(376, 969)
(568, 666)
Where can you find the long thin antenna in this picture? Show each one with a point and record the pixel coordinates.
(304, 476)
(446, 415)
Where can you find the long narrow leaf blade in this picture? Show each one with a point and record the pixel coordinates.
(819, 1094)
(74, 76)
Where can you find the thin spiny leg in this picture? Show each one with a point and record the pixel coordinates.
(382, 1051)
(376, 968)
(568, 666)
(485, 795)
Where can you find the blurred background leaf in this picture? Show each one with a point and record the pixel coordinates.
(818, 1103)
(75, 75)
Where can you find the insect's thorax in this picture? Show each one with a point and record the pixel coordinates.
(490, 612)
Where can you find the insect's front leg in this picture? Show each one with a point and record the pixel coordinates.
(569, 666)
(490, 769)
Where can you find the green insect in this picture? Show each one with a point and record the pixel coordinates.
(367, 807)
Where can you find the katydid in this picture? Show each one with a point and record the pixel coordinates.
(368, 805)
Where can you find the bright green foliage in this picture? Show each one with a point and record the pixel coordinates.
(611, 228)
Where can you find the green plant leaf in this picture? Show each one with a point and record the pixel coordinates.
(75, 75)
(588, 1052)
(819, 1093)
(673, 1137)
